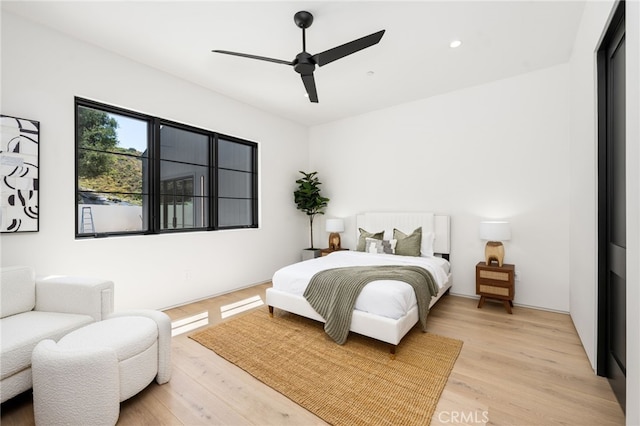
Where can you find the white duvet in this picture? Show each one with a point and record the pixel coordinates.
(387, 298)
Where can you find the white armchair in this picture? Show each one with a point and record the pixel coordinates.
(32, 310)
(81, 379)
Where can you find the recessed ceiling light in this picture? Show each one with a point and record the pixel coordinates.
(455, 43)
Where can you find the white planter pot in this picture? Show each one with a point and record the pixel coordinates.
(310, 253)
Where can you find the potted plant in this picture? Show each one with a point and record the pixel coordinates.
(309, 200)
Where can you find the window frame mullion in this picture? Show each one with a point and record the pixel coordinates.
(213, 182)
(154, 170)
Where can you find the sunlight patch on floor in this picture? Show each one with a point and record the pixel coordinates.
(189, 323)
(241, 306)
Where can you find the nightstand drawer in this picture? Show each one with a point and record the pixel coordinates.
(492, 289)
(494, 275)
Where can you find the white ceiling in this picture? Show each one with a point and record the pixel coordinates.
(412, 61)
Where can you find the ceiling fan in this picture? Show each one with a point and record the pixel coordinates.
(305, 63)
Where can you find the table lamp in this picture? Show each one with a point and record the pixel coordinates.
(494, 232)
(334, 226)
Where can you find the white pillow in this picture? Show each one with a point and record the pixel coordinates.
(426, 245)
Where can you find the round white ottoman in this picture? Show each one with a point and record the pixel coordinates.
(83, 378)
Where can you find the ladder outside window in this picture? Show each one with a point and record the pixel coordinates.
(86, 222)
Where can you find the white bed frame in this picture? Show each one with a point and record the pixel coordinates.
(378, 327)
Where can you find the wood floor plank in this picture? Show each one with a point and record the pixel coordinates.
(528, 368)
(238, 389)
(191, 403)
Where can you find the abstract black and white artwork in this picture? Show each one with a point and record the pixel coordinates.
(19, 155)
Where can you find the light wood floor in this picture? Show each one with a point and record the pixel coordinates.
(522, 369)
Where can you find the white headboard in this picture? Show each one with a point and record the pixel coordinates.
(407, 222)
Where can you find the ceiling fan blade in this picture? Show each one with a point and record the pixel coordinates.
(310, 85)
(261, 58)
(346, 49)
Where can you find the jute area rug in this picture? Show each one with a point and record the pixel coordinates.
(354, 384)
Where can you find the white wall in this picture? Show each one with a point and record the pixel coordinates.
(42, 71)
(583, 211)
(496, 151)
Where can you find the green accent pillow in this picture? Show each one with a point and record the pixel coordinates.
(362, 241)
(408, 245)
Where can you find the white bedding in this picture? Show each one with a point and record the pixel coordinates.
(392, 299)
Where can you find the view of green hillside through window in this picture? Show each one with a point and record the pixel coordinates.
(111, 157)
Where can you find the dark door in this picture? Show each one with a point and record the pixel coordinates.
(612, 323)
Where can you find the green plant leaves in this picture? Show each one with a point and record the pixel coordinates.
(308, 197)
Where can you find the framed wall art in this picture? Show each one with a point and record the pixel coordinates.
(19, 171)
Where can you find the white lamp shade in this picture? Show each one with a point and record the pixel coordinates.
(495, 231)
(334, 225)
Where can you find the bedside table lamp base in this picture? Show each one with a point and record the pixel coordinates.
(494, 250)
(334, 227)
(334, 241)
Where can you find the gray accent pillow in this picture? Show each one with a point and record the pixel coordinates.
(380, 246)
(389, 246)
(363, 238)
(373, 245)
(408, 245)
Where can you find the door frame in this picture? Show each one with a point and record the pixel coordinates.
(602, 188)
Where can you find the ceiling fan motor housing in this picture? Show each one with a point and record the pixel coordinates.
(304, 63)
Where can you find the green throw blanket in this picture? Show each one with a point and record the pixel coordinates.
(333, 293)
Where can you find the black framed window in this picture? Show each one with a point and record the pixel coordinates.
(138, 174)
(185, 170)
(237, 183)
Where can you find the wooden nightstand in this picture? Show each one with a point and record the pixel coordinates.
(495, 282)
(327, 251)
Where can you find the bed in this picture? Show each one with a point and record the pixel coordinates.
(384, 310)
